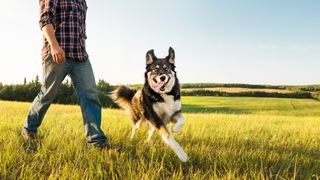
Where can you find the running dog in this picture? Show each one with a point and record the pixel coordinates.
(158, 103)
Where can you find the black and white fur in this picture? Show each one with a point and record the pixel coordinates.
(158, 103)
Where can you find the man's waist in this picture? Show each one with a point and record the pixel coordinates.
(72, 51)
(72, 56)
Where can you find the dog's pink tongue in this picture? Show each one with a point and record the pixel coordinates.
(158, 86)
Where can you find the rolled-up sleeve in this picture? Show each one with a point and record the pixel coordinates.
(47, 12)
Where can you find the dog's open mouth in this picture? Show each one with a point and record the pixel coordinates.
(159, 86)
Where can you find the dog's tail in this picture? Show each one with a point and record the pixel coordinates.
(122, 96)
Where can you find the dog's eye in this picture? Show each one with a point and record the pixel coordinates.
(156, 70)
(166, 68)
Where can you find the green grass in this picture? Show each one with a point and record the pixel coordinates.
(224, 137)
(252, 105)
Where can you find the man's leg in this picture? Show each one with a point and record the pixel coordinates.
(53, 75)
(87, 92)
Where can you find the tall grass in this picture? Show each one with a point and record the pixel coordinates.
(224, 138)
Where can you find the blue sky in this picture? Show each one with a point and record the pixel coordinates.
(226, 41)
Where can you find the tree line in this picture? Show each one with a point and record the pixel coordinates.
(297, 94)
(66, 94)
(302, 91)
(307, 88)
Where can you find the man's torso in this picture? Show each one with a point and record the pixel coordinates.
(68, 20)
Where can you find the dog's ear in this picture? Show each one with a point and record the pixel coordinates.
(171, 56)
(150, 57)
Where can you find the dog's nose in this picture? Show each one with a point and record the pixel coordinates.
(162, 78)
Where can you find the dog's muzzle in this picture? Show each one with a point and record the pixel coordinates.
(161, 82)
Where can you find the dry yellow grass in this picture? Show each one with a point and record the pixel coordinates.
(225, 138)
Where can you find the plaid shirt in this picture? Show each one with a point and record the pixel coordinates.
(68, 18)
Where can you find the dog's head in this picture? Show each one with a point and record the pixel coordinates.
(160, 72)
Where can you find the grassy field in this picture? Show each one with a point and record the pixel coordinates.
(224, 137)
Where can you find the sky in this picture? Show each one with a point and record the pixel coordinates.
(220, 41)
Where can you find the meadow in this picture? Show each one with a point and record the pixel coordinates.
(225, 138)
(239, 89)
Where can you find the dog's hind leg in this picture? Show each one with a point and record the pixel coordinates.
(150, 132)
(179, 120)
(135, 126)
(173, 144)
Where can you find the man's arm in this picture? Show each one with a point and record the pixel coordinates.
(57, 52)
(47, 15)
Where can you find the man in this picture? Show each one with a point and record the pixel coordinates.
(64, 53)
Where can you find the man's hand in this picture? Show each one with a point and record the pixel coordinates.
(58, 54)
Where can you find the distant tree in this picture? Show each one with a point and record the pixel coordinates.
(104, 92)
(37, 80)
(25, 81)
(66, 94)
(103, 86)
(67, 83)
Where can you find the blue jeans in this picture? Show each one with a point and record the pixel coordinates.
(81, 74)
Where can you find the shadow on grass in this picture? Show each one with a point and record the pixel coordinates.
(191, 108)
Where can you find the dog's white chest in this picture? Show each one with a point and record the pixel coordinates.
(168, 107)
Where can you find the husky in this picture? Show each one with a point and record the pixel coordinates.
(157, 103)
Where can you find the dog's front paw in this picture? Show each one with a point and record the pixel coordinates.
(177, 128)
(183, 157)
